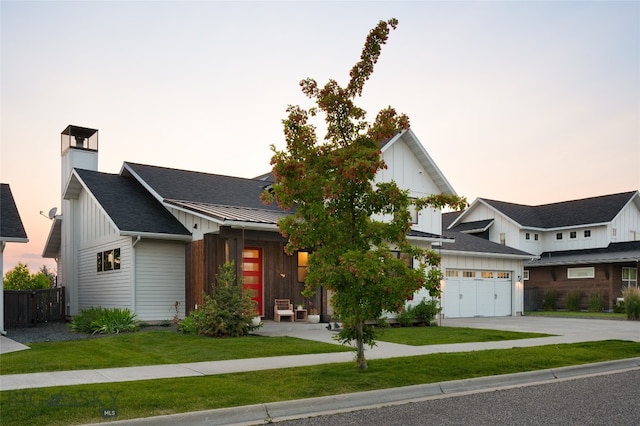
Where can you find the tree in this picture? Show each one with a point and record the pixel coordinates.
(19, 278)
(331, 185)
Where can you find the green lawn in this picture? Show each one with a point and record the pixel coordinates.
(581, 314)
(420, 336)
(152, 347)
(167, 347)
(81, 404)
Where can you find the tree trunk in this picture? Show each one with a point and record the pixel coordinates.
(361, 362)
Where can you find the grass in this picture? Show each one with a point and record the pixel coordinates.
(151, 348)
(166, 347)
(420, 336)
(582, 314)
(81, 404)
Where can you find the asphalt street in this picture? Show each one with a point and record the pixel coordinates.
(611, 399)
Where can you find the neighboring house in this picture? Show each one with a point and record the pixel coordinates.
(11, 231)
(591, 244)
(152, 238)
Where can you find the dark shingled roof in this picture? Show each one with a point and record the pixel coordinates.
(470, 243)
(586, 211)
(130, 205)
(175, 184)
(11, 227)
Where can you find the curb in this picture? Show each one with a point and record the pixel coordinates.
(310, 407)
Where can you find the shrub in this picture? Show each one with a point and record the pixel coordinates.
(549, 299)
(632, 302)
(406, 317)
(427, 310)
(573, 300)
(19, 278)
(227, 312)
(619, 308)
(104, 321)
(596, 301)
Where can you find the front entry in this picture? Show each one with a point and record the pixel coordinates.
(252, 275)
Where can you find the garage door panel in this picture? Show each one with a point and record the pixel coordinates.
(478, 293)
(503, 298)
(485, 299)
(467, 298)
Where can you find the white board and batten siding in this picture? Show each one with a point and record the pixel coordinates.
(160, 279)
(404, 168)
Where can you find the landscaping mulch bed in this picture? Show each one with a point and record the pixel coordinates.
(60, 331)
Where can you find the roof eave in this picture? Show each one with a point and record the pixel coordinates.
(156, 236)
(487, 254)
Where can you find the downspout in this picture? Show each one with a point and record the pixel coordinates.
(133, 272)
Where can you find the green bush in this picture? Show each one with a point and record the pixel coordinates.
(104, 321)
(406, 317)
(632, 302)
(427, 310)
(227, 312)
(573, 300)
(596, 301)
(19, 278)
(619, 307)
(549, 299)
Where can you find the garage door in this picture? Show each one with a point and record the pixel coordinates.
(470, 293)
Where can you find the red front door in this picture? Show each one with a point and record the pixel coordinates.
(252, 275)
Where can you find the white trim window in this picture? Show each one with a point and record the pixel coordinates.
(525, 275)
(579, 273)
(630, 277)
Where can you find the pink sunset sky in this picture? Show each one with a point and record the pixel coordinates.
(526, 102)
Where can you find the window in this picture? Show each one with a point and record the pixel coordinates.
(413, 212)
(535, 237)
(614, 232)
(572, 234)
(303, 265)
(451, 273)
(577, 273)
(408, 260)
(587, 233)
(559, 236)
(630, 277)
(108, 260)
(503, 238)
(525, 275)
(486, 274)
(527, 236)
(503, 275)
(468, 274)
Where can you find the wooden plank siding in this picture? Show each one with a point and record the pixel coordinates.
(608, 280)
(280, 271)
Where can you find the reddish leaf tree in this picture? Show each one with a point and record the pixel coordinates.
(332, 186)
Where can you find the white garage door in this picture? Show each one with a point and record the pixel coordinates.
(476, 293)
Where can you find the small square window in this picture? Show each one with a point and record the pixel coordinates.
(572, 234)
(559, 236)
(535, 237)
(525, 274)
(503, 239)
(587, 233)
(527, 236)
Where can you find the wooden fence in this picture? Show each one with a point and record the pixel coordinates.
(26, 308)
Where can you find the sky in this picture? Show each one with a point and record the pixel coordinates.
(525, 102)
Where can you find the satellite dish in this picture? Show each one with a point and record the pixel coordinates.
(52, 212)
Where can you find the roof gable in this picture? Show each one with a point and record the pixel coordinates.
(11, 227)
(423, 157)
(131, 208)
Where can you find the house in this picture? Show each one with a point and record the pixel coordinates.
(590, 244)
(151, 238)
(11, 231)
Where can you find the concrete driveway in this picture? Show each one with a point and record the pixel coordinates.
(572, 330)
